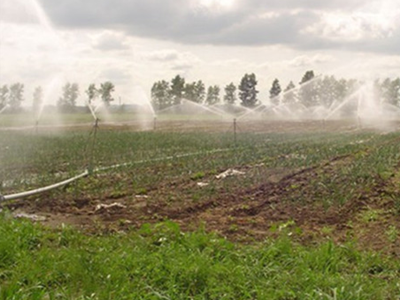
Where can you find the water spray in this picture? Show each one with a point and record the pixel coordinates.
(36, 126)
(3, 109)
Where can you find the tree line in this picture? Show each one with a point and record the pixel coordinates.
(12, 96)
(311, 91)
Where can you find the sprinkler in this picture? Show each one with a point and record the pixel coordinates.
(95, 127)
(234, 130)
(155, 123)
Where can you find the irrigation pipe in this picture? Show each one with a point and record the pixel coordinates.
(43, 189)
(161, 159)
(87, 172)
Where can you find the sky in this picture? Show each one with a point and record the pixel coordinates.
(134, 43)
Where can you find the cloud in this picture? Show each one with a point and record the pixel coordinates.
(352, 27)
(173, 59)
(163, 55)
(116, 75)
(303, 61)
(18, 12)
(300, 24)
(109, 40)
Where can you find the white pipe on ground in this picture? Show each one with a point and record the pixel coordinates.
(43, 189)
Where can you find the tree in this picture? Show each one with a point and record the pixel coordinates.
(289, 94)
(230, 94)
(213, 95)
(308, 93)
(195, 91)
(160, 95)
(92, 93)
(395, 91)
(67, 101)
(105, 91)
(3, 96)
(37, 98)
(274, 92)
(15, 96)
(200, 91)
(391, 91)
(247, 90)
(177, 89)
(329, 91)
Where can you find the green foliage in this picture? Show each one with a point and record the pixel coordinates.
(308, 93)
(15, 96)
(161, 95)
(197, 175)
(195, 91)
(163, 262)
(289, 95)
(213, 95)
(105, 91)
(247, 90)
(230, 94)
(177, 89)
(274, 92)
(390, 91)
(4, 92)
(92, 92)
(67, 102)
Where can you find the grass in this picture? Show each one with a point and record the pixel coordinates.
(162, 262)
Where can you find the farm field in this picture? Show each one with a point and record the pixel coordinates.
(304, 186)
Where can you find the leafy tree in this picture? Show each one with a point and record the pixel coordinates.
(15, 96)
(195, 91)
(200, 91)
(247, 90)
(160, 95)
(308, 93)
(37, 98)
(3, 96)
(190, 91)
(105, 91)
(395, 91)
(274, 92)
(213, 95)
(329, 90)
(391, 91)
(67, 101)
(289, 94)
(344, 89)
(92, 92)
(230, 94)
(177, 89)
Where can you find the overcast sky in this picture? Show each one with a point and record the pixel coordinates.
(134, 43)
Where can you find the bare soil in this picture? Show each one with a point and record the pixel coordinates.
(245, 214)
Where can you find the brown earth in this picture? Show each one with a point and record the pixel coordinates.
(281, 204)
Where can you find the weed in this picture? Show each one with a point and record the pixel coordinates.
(392, 233)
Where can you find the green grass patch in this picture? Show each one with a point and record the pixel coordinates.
(162, 262)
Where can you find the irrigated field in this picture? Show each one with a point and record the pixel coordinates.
(320, 179)
(311, 181)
